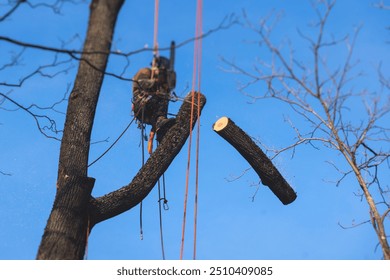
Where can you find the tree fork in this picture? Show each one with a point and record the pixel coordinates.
(125, 198)
(268, 173)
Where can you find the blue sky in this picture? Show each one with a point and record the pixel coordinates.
(230, 224)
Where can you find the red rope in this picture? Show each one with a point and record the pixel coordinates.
(199, 63)
(155, 33)
(155, 36)
(195, 78)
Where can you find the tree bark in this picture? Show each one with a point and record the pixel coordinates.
(263, 166)
(125, 198)
(83, 100)
(66, 231)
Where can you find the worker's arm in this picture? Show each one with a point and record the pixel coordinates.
(142, 81)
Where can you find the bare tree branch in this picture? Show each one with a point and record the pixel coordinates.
(42, 71)
(353, 225)
(5, 173)
(43, 128)
(12, 10)
(82, 55)
(226, 23)
(233, 178)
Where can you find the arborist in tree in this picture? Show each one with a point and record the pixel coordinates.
(152, 89)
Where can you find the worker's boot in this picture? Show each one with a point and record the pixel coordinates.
(162, 126)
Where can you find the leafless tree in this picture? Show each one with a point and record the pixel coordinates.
(75, 212)
(322, 93)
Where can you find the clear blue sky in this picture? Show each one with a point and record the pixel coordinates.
(230, 225)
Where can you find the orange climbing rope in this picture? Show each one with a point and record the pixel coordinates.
(196, 82)
(198, 62)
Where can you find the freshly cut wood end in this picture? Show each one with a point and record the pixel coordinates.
(221, 124)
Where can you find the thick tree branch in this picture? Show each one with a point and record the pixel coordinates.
(125, 198)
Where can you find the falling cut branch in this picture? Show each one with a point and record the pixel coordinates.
(263, 166)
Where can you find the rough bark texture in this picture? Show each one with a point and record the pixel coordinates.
(129, 196)
(84, 97)
(263, 166)
(66, 231)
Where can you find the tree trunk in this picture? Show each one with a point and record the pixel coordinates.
(66, 231)
(263, 166)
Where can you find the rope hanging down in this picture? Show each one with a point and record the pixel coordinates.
(196, 79)
(155, 54)
(162, 201)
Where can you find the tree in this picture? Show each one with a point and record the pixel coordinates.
(75, 211)
(322, 92)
